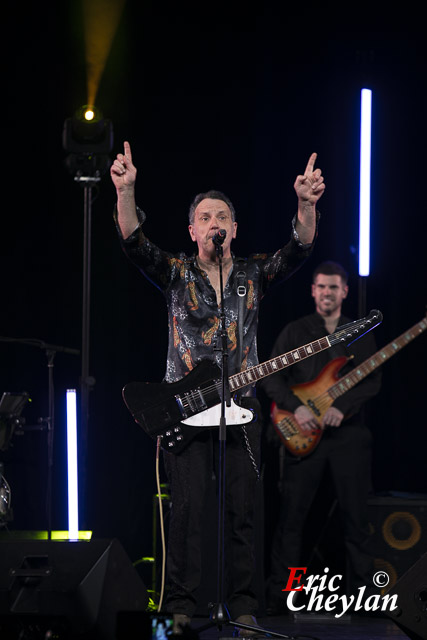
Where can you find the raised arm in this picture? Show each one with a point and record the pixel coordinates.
(309, 189)
(123, 175)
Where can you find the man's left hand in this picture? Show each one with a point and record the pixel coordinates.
(332, 418)
(310, 186)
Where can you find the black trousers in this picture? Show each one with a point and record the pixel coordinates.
(346, 451)
(189, 474)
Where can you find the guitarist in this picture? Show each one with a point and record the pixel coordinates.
(191, 288)
(344, 448)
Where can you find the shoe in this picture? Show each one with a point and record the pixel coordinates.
(248, 633)
(180, 621)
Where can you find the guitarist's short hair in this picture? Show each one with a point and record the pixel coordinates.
(330, 268)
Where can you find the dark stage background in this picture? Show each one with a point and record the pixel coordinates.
(210, 96)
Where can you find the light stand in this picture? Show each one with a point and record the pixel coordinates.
(362, 296)
(88, 142)
(220, 615)
(49, 422)
(87, 382)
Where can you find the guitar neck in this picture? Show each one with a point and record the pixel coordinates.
(345, 383)
(255, 373)
(344, 333)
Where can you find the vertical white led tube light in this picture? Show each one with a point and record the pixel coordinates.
(72, 466)
(365, 181)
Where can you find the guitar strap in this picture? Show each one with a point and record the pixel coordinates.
(241, 284)
(241, 290)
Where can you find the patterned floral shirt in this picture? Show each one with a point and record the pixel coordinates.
(193, 311)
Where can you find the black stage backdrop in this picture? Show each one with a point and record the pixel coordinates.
(212, 96)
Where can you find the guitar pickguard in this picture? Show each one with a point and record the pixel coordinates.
(211, 417)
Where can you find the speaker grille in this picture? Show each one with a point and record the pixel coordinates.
(398, 529)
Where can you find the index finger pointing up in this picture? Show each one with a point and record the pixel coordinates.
(310, 164)
(128, 152)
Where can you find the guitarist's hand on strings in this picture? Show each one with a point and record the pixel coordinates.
(332, 418)
(305, 419)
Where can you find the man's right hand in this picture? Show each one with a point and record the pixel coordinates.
(123, 175)
(123, 171)
(305, 418)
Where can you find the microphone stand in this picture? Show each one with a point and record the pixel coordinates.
(219, 612)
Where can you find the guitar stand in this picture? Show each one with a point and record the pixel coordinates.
(220, 615)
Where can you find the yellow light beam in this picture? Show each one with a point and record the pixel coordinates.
(101, 20)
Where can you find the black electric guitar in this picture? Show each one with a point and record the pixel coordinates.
(178, 411)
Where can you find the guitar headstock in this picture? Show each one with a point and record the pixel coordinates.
(348, 333)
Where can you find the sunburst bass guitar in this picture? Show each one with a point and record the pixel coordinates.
(319, 394)
(178, 411)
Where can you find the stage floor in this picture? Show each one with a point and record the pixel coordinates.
(316, 627)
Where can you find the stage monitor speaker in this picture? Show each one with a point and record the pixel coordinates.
(398, 533)
(69, 589)
(411, 590)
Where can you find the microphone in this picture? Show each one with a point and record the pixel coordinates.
(219, 237)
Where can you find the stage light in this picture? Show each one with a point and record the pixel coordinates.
(58, 536)
(365, 181)
(72, 466)
(88, 132)
(89, 114)
(88, 138)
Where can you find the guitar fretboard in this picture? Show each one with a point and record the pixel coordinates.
(255, 373)
(351, 330)
(358, 373)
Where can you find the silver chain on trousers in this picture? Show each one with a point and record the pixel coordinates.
(249, 450)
